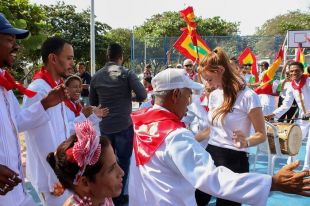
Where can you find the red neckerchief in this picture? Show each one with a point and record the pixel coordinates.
(46, 76)
(151, 128)
(8, 82)
(202, 98)
(192, 75)
(75, 108)
(149, 89)
(301, 83)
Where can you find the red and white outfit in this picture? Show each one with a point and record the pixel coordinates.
(75, 200)
(14, 120)
(74, 115)
(301, 93)
(168, 164)
(45, 139)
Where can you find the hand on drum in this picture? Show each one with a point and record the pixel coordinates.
(269, 117)
(239, 139)
(288, 181)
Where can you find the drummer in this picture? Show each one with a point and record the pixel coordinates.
(300, 91)
(233, 107)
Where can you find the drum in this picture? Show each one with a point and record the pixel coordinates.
(290, 138)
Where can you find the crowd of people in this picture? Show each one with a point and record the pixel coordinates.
(186, 143)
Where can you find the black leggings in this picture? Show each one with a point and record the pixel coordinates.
(234, 160)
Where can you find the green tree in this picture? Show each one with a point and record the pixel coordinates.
(22, 14)
(122, 37)
(63, 20)
(276, 28)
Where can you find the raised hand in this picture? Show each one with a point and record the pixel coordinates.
(8, 179)
(288, 181)
(55, 96)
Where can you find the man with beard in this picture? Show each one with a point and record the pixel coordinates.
(57, 55)
(300, 91)
(14, 120)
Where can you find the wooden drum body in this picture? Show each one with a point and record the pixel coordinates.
(290, 138)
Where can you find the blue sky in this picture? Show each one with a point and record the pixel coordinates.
(128, 13)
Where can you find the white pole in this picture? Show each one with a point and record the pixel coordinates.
(92, 39)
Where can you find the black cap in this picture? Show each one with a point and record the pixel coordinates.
(7, 28)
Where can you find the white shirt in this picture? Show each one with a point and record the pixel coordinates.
(72, 120)
(196, 118)
(14, 120)
(221, 133)
(292, 94)
(179, 166)
(286, 86)
(42, 140)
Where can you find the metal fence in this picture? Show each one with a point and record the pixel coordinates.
(153, 50)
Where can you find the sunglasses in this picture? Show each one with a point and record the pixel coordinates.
(188, 65)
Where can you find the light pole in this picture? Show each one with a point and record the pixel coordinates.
(92, 39)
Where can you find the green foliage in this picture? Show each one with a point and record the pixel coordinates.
(122, 37)
(74, 26)
(169, 24)
(295, 20)
(22, 14)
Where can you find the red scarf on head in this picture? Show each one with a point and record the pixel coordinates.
(8, 82)
(46, 76)
(301, 83)
(75, 108)
(151, 128)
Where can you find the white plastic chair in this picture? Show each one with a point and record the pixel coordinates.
(263, 149)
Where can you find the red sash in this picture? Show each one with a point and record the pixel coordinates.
(75, 108)
(201, 100)
(151, 128)
(301, 84)
(8, 82)
(46, 76)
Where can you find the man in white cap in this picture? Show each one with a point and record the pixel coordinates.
(168, 163)
(14, 120)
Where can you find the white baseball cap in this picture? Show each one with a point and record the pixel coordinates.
(172, 78)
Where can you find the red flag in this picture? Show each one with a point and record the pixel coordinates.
(271, 71)
(189, 17)
(248, 57)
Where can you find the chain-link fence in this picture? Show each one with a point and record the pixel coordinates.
(153, 50)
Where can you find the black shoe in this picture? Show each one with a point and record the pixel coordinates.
(121, 200)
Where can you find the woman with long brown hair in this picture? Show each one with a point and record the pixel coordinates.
(233, 108)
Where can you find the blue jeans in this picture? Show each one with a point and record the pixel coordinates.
(122, 143)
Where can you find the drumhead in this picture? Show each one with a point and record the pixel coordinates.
(294, 139)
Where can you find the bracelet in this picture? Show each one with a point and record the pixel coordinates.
(247, 143)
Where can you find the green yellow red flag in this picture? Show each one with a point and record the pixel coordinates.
(248, 57)
(186, 47)
(271, 71)
(189, 17)
(300, 57)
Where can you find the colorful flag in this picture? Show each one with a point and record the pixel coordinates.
(248, 57)
(300, 57)
(271, 71)
(186, 47)
(189, 17)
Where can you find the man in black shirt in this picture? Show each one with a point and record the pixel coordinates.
(85, 76)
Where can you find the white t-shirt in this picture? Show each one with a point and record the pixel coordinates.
(221, 133)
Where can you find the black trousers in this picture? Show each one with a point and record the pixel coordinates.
(234, 160)
(290, 113)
